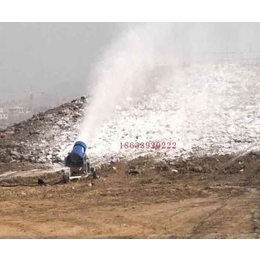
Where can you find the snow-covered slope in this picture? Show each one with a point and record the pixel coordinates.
(204, 108)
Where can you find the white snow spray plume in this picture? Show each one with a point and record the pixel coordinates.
(198, 100)
(123, 73)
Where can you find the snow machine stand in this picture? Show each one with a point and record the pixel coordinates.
(78, 163)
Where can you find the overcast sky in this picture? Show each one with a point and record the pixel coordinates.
(51, 56)
(46, 55)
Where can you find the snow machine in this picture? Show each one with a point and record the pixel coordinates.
(78, 163)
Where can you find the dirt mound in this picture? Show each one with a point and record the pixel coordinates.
(39, 139)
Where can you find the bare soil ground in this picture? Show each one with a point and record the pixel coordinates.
(209, 197)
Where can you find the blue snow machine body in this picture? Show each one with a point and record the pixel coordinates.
(77, 157)
(78, 162)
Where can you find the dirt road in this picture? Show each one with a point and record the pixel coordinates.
(197, 198)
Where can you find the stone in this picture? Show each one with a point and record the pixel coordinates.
(133, 171)
(83, 98)
(42, 160)
(41, 182)
(57, 160)
(32, 159)
(7, 159)
(162, 166)
(15, 155)
(197, 169)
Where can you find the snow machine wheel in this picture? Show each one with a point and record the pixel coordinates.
(66, 177)
(94, 173)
